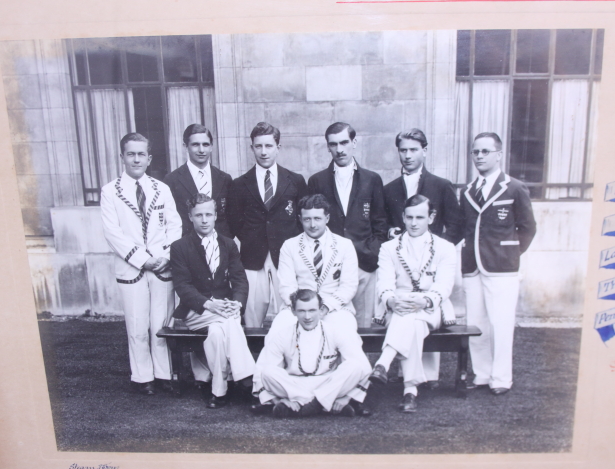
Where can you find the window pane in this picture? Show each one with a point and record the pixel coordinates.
(529, 129)
(80, 62)
(104, 60)
(599, 51)
(142, 58)
(463, 53)
(492, 52)
(572, 51)
(149, 122)
(207, 59)
(179, 58)
(533, 51)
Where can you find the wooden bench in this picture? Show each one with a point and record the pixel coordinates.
(445, 339)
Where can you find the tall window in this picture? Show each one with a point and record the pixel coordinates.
(156, 86)
(538, 90)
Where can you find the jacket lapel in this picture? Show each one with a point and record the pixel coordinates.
(196, 239)
(356, 183)
(283, 182)
(306, 256)
(470, 197)
(215, 181)
(422, 178)
(154, 199)
(252, 185)
(119, 192)
(185, 178)
(223, 261)
(331, 183)
(502, 180)
(334, 251)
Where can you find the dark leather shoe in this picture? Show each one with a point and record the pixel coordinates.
(431, 385)
(347, 411)
(499, 391)
(311, 408)
(408, 404)
(246, 382)
(144, 388)
(360, 409)
(216, 402)
(164, 384)
(261, 409)
(282, 411)
(379, 375)
(470, 386)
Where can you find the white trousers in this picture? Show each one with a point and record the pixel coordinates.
(326, 388)
(263, 296)
(365, 299)
(148, 307)
(491, 303)
(226, 351)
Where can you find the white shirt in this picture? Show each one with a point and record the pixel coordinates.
(310, 344)
(325, 241)
(129, 184)
(203, 181)
(343, 182)
(261, 173)
(411, 182)
(416, 250)
(489, 184)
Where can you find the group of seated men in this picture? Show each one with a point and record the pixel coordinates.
(323, 259)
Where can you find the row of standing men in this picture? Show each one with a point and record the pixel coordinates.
(260, 209)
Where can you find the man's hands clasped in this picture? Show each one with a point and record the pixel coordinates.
(225, 308)
(407, 304)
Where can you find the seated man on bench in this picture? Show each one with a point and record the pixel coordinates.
(213, 288)
(311, 365)
(416, 274)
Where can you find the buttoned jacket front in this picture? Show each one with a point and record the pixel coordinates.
(123, 225)
(339, 279)
(497, 233)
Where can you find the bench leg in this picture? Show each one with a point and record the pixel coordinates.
(178, 377)
(461, 380)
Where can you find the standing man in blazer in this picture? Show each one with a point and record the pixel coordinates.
(197, 175)
(212, 286)
(140, 223)
(499, 226)
(263, 214)
(415, 179)
(357, 211)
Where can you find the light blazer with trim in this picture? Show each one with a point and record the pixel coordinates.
(193, 280)
(123, 228)
(436, 282)
(183, 187)
(497, 233)
(339, 279)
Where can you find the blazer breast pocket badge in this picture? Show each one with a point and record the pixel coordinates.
(366, 209)
(503, 213)
(161, 219)
(289, 208)
(223, 204)
(337, 274)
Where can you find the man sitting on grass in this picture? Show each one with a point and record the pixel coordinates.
(213, 288)
(311, 365)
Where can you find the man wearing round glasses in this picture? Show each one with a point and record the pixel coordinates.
(499, 226)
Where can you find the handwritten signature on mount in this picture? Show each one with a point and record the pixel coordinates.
(100, 466)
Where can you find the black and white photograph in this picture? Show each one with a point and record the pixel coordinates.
(370, 242)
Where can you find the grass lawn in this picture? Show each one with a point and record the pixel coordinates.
(94, 410)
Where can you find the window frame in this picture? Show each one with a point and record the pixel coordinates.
(162, 84)
(591, 77)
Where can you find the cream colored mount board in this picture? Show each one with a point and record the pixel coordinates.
(331, 61)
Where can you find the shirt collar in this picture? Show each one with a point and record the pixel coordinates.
(128, 181)
(423, 239)
(490, 179)
(194, 169)
(324, 239)
(212, 234)
(349, 169)
(417, 174)
(261, 172)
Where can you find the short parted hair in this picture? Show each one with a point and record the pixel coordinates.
(492, 135)
(340, 127)
(304, 295)
(412, 134)
(134, 137)
(197, 199)
(196, 129)
(263, 128)
(418, 199)
(309, 202)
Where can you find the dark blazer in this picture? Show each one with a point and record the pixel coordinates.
(448, 221)
(498, 233)
(182, 187)
(365, 223)
(260, 230)
(194, 282)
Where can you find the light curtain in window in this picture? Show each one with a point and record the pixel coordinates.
(100, 135)
(460, 142)
(593, 134)
(568, 127)
(490, 102)
(184, 108)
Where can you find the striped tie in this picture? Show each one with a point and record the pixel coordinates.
(268, 189)
(317, 257)
(479, 193)
(141, 204)
(203, 184)
(212, 254)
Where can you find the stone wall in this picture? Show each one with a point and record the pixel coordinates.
(42, 121)
(379, 82)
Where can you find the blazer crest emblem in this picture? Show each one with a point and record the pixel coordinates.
(366, 209)
(289, 208)
(503, 213)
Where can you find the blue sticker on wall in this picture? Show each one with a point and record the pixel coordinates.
(609, 195)
(606, 289)
(608, 226)
(607, 259)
